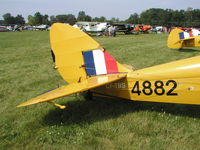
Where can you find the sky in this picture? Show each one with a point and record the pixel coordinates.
(95, 8)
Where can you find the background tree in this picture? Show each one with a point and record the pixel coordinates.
(19, 20)
(71, 19)
(38, 18)
(31, 20)
(83, 17)
(8, 18)
(196, 17)
(169, 17)
(61, 18)
(192, 17)
(133, 19)
(114, 20)
(1, 22)
(45, 19)
(99, 19)
(153, 16)
(52, 19)
(178, 18)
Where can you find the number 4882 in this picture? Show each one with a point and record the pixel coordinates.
(158, 88)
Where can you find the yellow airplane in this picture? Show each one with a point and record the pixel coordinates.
(179, 38)
(87, 66)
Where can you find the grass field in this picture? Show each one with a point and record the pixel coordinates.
(27, 70)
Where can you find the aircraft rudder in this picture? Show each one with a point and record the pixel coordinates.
(174, 39)
(78, 56)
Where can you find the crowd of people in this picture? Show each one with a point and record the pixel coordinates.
(110, 31)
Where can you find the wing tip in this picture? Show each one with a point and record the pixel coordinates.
(25, 104)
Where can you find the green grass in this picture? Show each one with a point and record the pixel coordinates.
(27, 70)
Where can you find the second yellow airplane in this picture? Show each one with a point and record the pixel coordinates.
(179, 38)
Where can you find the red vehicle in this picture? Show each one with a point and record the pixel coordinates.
(3, 29)
(142, 28)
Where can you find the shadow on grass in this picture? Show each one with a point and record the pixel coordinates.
(187, 50)
(81, 111)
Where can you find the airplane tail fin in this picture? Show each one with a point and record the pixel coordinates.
(174, 40)
(77, 56)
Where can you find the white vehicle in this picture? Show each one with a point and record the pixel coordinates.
(91, 26)
(41, 27)
(195, 32)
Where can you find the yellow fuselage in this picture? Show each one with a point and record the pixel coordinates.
(175, 82)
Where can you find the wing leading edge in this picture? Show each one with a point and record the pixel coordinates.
(73, 88)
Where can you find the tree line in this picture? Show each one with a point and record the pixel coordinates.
(167, 17)
(9, 19)
(152, 16)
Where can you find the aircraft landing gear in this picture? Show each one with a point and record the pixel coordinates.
(88, 95)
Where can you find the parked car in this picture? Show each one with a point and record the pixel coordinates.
(3, 29)
(126, 28)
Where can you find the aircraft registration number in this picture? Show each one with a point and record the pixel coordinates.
(158, 88)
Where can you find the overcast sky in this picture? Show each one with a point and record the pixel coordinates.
(95, 8)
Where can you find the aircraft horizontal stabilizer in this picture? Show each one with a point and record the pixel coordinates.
(73, 88)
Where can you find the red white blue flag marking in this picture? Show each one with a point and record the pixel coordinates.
(184, 35)
(98, 62)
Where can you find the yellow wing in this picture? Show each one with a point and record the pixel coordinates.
(73, 88)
